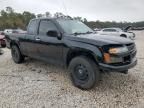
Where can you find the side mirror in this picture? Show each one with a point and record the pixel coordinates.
(53, 33)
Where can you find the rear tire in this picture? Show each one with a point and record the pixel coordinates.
(3, 46)
(84, 72)
(16, 55)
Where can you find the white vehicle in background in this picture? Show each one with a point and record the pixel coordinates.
(117, 32)
(8, 31)
(20, 31)
(96, 29)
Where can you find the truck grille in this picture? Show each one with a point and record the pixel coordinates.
(133, 54)
(128, 58)
(131, 47)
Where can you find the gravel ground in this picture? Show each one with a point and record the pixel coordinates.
(35, 84)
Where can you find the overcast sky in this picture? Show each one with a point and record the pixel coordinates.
(103, 10)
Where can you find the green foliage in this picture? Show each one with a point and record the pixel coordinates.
(10, 19)
(13, 20)
(107, 24)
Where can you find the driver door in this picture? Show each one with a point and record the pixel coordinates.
(50, 48)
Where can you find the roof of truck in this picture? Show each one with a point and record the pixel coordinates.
(42, 18)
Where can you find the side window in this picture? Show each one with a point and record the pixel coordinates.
(113, 30)
(106, 30)
(46, 26)
(32, 28)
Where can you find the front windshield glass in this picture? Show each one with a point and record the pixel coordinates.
(74, 27)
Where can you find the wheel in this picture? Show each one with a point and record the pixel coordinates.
(3, 46)
(123, 35)
(16, 54)
(83, 72)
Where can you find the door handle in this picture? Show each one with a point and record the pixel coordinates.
(37, 39)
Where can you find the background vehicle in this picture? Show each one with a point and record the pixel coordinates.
(8, 31)
(2, 40)
(97, 29)
(1, 33)
(72, 44)
(117, 32)
(18, 31)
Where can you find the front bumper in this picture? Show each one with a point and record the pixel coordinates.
(132, 37)
(110, 68)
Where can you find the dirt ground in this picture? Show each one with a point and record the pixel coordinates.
(35, 84)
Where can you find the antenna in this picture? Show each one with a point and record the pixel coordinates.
(64, 6)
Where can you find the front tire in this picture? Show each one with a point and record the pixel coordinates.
(16, 55)
(84, 72)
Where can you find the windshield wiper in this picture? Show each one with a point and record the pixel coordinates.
(89, 32)
(77, 33)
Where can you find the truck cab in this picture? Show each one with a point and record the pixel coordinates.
(72, 44)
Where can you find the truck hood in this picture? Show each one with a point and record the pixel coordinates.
(127, 28)
(100, 40)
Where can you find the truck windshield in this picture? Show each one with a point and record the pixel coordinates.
(74, 27)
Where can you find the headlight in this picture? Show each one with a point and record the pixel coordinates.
(118, 50)
(112, 59)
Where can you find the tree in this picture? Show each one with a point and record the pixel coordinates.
(40, 15)
(48, 14)
(59, 15)
(13, 20)
(27, 16)
(9, 9)
(10, 19)
(85, 20)
(78, 18)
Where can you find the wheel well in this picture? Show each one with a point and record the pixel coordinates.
(13, 43)
(74, 54)
(123, 35)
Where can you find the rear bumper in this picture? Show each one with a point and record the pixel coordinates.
(110, 68)
(2, 43)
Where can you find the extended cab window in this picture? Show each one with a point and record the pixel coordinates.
(32, 28)
(46, 26)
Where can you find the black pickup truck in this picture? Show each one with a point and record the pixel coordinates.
(72, 44)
